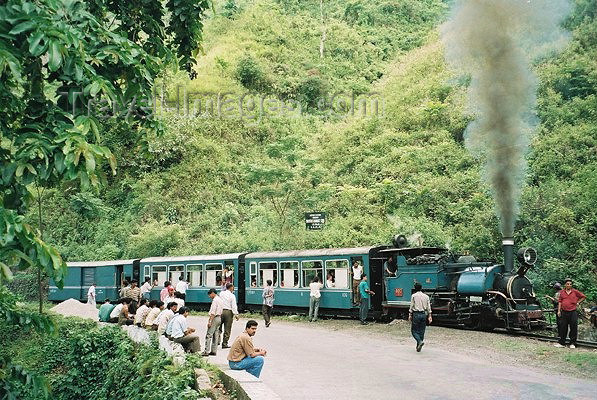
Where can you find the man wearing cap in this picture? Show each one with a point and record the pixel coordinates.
(567, 303)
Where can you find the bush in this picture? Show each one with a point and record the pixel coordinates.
(84, 361)
(250, 74)
(25, 286)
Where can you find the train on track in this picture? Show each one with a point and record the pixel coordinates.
(463, 291)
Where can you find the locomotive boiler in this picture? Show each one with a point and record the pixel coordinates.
(463, 291)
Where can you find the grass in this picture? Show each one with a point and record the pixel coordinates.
(582, 360)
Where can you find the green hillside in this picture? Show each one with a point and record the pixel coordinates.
(215, 183)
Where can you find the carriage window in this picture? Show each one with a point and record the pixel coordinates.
(195, 275)
(146, 272)
(336, 274)
(213, 274)
(228, 274)
(158, 273)
(290, 274)
(268, 270)
(253, 273)
(311, 269)
(174, 273)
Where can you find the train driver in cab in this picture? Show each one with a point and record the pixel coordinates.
(389, 267)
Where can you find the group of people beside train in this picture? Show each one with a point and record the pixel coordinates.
(168, 317)
(566, 301)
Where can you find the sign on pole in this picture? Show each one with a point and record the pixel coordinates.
(315, 220)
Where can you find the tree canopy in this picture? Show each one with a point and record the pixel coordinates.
(68, 67)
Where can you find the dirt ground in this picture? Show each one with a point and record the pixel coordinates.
(497, 347)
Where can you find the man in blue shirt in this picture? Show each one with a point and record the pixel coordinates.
(105, 310)
(178, 331)
(365, 292)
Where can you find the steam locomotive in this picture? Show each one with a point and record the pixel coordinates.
(463, 291)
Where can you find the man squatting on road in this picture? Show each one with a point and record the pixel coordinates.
(419, 312)
(243, 356)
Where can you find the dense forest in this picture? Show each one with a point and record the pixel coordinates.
(241, 178)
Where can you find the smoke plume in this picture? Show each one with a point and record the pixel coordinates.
(495, 41)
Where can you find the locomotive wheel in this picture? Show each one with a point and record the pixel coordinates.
(479, 324)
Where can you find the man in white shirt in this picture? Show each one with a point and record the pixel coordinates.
(146, 289)
(165, 316)
(315, 295)
(357, 274)
(229, 312)
(179, 332)
(419, 313)
(142, 312)
(213, 325)
(154, 313)
(91, 295)
(182, 286)
(116, 312)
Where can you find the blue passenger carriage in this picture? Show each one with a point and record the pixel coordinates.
(107, 275)
(202, 273)
(292, 271)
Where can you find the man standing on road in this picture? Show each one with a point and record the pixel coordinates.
(229, 312)
(91, 295)
(182, 286)
(419, 313)
(365, 292)
(357, 273)
(133, 293)
(315, 289)
(146, 289)
(165, 290)
(213, 325)
(243, 356)
(567, 303)
(268, 302)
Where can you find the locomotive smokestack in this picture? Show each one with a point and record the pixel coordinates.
(508, 246)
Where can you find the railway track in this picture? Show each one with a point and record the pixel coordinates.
(544, 338)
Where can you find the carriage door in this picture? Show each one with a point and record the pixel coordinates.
(118, 278)
(375, 282)
(355, 289)
(240, 284)
(87, 279)
(137, 272)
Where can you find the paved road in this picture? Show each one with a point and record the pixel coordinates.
(311, 362)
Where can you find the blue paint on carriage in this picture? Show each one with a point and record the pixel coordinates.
(195, 294)
(298, 297)
(80, 276)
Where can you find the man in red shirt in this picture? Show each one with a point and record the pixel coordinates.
(568, 301)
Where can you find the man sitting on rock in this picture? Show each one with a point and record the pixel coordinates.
(243, 356)
(179, 332)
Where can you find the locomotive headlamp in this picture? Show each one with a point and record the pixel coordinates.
(400, 241)
(527, 255)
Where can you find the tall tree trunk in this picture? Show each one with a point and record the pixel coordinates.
(323, 30)
(41, 236)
